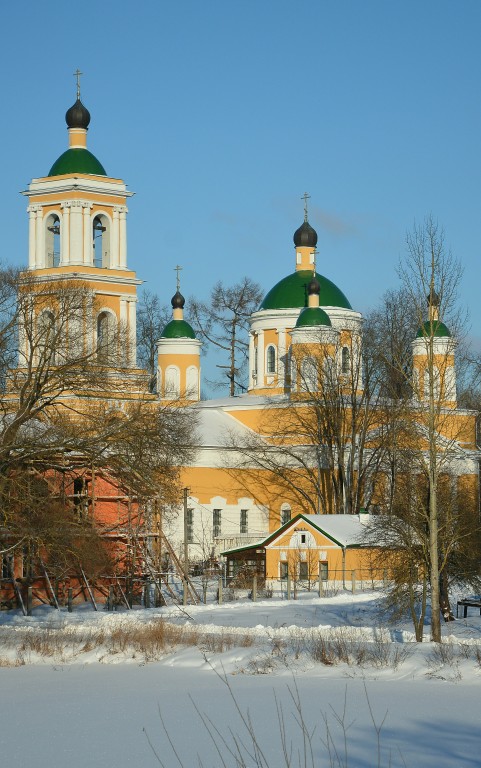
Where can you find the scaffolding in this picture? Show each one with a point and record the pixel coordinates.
(146, 570)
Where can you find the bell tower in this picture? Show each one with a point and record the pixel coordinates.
(78, 232)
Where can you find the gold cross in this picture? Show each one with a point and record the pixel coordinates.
(305, 197)
(178, 270)
(77, 74)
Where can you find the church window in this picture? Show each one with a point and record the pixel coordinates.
(243, 521)
(172, 382)
(346, 361)
(436, 378)
(285, 514)
(308, 375)
(52, 241)
(271, 359)
(105, 337)
(216, 522)
(101, 241)
(47, 337)
(192, 383)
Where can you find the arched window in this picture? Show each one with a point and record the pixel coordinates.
(192, 383)
(271, 359)
(101, 241)
(105, 337)
(345, 361)
(172, 382)
(309, 375)
(52, 240)
(436, 376)
(47, 341)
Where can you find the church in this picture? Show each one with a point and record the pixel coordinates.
(245, 480)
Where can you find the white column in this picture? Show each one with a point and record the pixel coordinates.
(76, 233)
(123, 320)
(260, 359)
(65, 235)
(32, 214)
(114, 238)
(252, 360)
(123, 238)
(132, 310)
(281, 357)
(39, 239)
(87, 233)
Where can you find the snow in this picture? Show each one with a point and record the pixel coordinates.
(93, 707)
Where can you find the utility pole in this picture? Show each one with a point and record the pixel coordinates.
(186, 542)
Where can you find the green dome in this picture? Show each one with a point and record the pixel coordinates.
(312, 316)
(178, 329)
(291, 293)
(77, 161)
(438, 329)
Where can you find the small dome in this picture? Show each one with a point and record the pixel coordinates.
(292, 292)
(177, 301)
(77, 116)
(439, 330)
(305, 236)
(311, 316)
(178, 329)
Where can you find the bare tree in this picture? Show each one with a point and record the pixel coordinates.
(322, 447)
(71, 399)
(431, 272)
(152, 317)
(223, 322)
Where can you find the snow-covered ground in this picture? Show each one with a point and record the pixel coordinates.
(80, 699)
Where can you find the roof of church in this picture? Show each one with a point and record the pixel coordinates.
(438, 329)
(178, 329)
(292, 292)
(305, 236)
(77, 160)
(313, 316)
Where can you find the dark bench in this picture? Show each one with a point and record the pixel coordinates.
(474, 602)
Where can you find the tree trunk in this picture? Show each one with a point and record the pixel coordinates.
(444, 603)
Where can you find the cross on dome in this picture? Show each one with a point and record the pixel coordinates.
(306, 196)
(78, 75)
(178, 269)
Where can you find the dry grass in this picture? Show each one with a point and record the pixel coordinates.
(149, 641)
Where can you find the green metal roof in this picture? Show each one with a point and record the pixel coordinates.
(437, 329)
(178, 329)
(312, 316)
(291, 293)
(77, 161)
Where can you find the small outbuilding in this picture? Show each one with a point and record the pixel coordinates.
(332, 546)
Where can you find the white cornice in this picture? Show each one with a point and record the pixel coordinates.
(88, 277)
(55, 184)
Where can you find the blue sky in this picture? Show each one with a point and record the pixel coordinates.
(219, 115)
